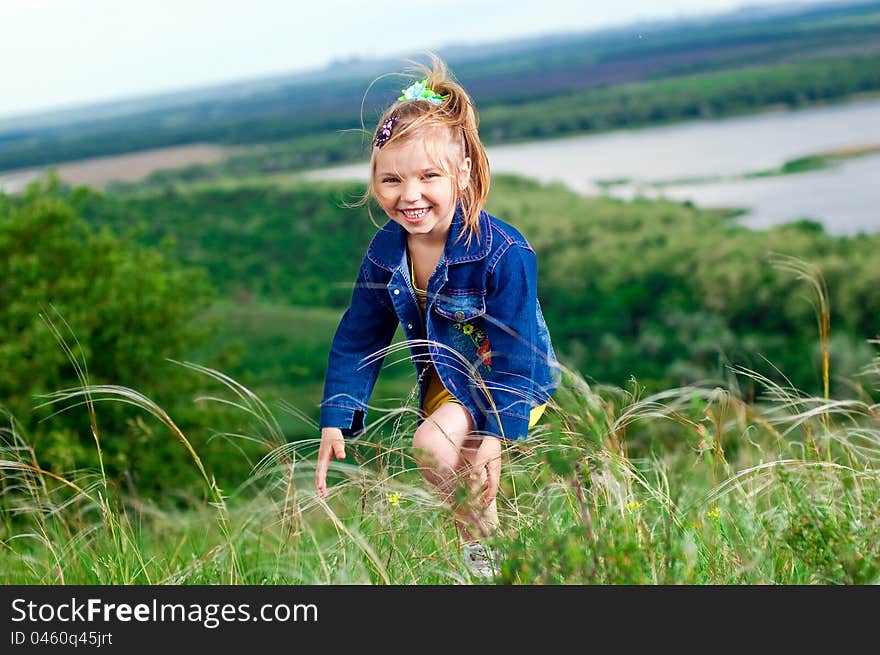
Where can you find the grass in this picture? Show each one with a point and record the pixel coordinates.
(687, 486)
(280, 352)
(787, 493)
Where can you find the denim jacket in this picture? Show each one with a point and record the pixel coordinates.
(482, 329)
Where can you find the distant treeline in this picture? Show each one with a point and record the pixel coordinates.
(698, 96)
(623, 106)
(293, 246)
(526, 90)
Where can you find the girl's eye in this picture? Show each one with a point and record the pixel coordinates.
(389, 180)
(432, 174)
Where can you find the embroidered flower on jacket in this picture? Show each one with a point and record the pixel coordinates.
(485, 352)
(480, 341)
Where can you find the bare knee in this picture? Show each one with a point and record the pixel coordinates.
(437, 445)
(436, 455)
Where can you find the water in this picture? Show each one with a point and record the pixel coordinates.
(17, 181)
(845, 199)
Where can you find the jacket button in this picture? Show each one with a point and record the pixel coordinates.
(397, 292)
(409, 326)
(459, 316)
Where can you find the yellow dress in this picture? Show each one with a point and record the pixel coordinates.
(437, 394)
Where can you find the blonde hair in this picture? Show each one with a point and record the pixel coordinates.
(456, 116)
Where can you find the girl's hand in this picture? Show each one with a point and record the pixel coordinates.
(489, 459)
(332, 445)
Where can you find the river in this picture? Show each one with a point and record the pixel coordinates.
(703, 161)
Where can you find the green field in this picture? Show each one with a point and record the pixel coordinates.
(781, 493)
(281, 351)
(716, 426)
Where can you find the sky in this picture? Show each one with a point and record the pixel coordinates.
(57, 54)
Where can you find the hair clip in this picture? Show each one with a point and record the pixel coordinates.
(420, 91)
(384, 132)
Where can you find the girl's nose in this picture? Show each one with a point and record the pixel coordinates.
(412, 192)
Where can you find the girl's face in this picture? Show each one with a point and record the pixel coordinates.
(414, 190)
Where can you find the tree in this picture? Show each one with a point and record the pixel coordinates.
(123, 309)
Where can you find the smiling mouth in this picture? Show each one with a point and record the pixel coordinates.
(415, 214)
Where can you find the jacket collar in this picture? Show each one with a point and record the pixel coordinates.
(387, 248)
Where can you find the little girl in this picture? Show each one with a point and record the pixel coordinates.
(463, 285)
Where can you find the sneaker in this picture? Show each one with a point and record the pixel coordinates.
(479, 560)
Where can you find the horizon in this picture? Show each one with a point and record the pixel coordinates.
(96, 70)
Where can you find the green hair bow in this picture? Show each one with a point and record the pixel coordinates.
(420, 91)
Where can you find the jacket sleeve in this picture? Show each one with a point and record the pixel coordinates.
(511, 308)
(367, 327)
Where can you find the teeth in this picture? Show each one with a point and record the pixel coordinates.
(415, 213)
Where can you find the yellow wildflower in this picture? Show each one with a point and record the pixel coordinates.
(393, 498)
(468, 328)
(633, 505)
(714, 513)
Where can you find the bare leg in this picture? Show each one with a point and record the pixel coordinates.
(486, 515)
(444, 449)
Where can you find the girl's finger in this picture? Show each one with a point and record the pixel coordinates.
(339, 449)
(321, 474)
